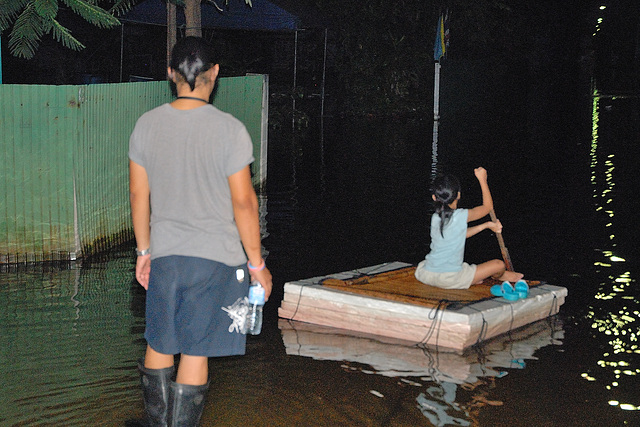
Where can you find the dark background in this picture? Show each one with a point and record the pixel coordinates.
(380, 53)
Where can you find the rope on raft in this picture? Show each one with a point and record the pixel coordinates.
(435, 315)
(483, 328)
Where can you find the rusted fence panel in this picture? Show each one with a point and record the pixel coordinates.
(64, 168)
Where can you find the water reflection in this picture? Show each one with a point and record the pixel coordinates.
(615, 312)
(68, 343)
(437, 375)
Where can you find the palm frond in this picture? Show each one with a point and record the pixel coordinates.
(9, 10)
(120, 7)
(63, 35)
(12, 6)
(26, 33)
(93, 14)
(48, 9)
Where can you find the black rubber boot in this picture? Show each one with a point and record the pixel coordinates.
(155, 389)
(186, 403)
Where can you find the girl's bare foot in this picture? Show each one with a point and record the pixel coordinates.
(511, 276)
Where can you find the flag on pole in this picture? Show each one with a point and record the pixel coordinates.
(442, 38)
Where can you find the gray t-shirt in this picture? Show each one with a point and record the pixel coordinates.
(188, 156)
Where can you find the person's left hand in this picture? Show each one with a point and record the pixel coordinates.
(264, 277)
(496, 226)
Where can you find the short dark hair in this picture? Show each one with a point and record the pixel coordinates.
(192, 56)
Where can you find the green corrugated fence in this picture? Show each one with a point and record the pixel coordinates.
(64, 173)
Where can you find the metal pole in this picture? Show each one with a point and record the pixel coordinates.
(121, 49)
(0, 59)
(436, 119)
(295, 81)
(324, 73)
(436, 93)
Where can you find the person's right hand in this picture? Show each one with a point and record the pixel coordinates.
(481, 174)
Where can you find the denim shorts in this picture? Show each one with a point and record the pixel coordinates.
(184, 306)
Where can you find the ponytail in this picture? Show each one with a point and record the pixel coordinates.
(445, 190)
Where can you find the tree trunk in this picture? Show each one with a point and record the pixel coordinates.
(193, 19)
(171, 29)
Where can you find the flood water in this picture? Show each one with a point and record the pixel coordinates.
(563, 174)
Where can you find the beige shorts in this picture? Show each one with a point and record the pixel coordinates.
(462, 279)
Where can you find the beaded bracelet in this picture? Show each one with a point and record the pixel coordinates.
(258, 268)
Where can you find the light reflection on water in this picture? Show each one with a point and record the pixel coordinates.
(616, 312)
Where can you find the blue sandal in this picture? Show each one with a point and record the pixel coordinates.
(522, 289)
(505, 290)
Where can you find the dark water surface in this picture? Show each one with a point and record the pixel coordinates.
(563, 171)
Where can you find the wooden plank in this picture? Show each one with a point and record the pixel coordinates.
(374, 318)
(359, 303)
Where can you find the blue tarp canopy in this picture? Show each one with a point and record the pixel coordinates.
(263, 15)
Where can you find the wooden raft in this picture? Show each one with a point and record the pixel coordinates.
(386, 300)
(402, 286)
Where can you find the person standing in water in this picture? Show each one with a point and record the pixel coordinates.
(444, 265)
(196, 225)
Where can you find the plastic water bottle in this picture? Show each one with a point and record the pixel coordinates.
(256, 302)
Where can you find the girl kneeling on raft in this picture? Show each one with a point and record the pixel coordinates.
(444, 266)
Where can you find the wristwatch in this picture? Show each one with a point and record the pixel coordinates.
(142, 252)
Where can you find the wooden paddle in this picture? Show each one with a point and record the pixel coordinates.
(503, 248)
